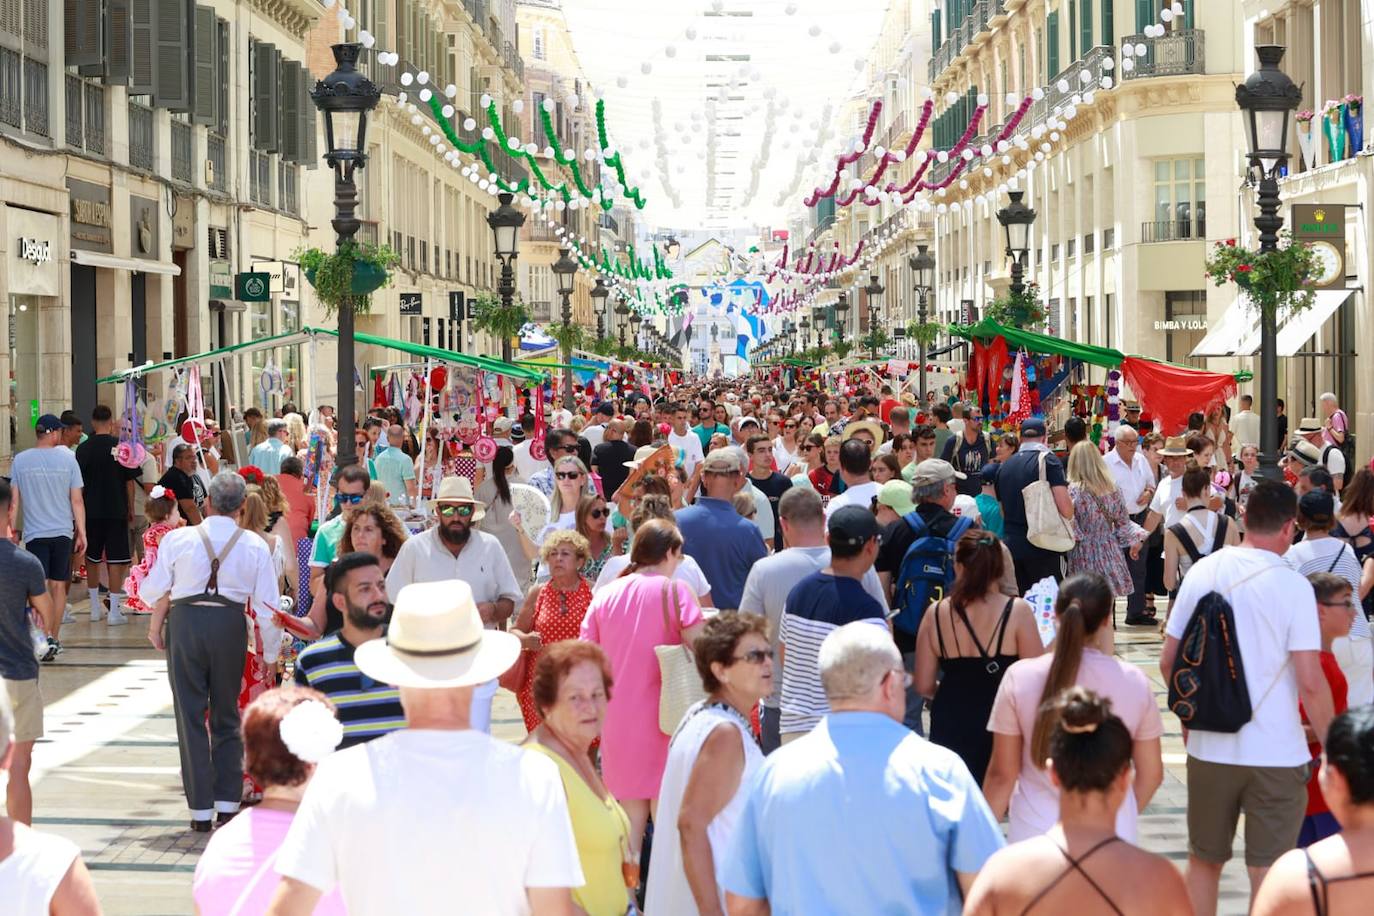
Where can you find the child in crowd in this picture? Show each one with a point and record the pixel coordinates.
(161, 510)
(989, 509)
(1335, 612)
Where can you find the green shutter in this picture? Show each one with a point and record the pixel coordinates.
(118, 35)
(1052, 45)
(1073, 31)
(289, 112)
(82, 27)
(143, 53)
(1085, 27)
(172, 89)
(1108, 23)
(204, 90)
(934, 30)
(1188, 13)
(1144, 14)
(266, 63)
(310, 153)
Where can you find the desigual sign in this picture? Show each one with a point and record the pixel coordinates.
(34, 251)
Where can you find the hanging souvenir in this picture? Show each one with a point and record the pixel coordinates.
(484, 449)
(537, 441)
(270, 382)
(131, 452)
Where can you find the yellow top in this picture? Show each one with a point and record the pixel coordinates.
(601, 831)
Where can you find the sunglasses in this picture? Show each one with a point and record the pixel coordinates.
(789, 426)
(567, 449)
(351, 499)
(599, 513)
(755, 656)
(460, 511)
(567, 475)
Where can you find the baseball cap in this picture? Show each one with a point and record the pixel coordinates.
(935, 469)
(896, 495)
(1032, 426)
(853, 526)
(723, 461)
(739, 423)
(502, 426)
(47, 424)
(70, 418)
(1317, 505)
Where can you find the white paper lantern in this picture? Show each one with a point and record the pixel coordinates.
(425, 130)
(814, 31)
(987, 172)
(1006, 160)
(485, 101)
(366, 38)
(1127, 65)
(1140, 49)
(1088, 97)
(967, 154)
(423, 77)
(1062, 85)
(942, 156)
(670, 52)
(1037, 94)
(1166, 15)
(469, 124)
(1108, 64)
(1106, 82)
(986, 150)
(1012, 100)
(982, 99)
(447, 110)
(569, 155)
(488, 134)
(407, 79)
(860, 64)
(415, 119)
(426, 95)
(401, 99)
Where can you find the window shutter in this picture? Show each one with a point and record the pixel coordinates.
(118, 40)
(380, 16)
(1107, 16)
(289, 112)
(1144, 13)
(265, 65)
(1052, 45)
(204, 90)
(935, 29)
(1073, 30)
(172, 89)
(400, 44)
(1085, 26)
(143, 51)
(310, 155)
(82, 29)
(222, 75)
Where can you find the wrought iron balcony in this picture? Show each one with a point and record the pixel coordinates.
(1178, 53)
(1183, 229)
(183, 151)
(140, 136)
(214, 152)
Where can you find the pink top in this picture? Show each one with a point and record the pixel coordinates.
(1035, 802)
(626, 619)
(1339, 423)
(235, 875)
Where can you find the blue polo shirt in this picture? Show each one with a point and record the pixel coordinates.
(725, 545)
(860, 816)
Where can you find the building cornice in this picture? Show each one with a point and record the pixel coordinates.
(295, 16)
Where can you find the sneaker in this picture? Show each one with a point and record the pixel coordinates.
(54, 650)
(116, 618)
(67, 615)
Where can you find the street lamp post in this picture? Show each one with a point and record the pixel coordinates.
(1016, 218)
(622, 312)
(345, 97)
(565, 268)
(505, 222)
(635, 321)
(874, 290)
(842, 315)
(1267, 100)
(805, 325)
(922, 265)
(599, 294)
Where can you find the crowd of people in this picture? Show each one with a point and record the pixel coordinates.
(772, 652)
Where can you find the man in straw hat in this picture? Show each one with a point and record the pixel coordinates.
(435, 817)
(454, 549)
(1310, 431)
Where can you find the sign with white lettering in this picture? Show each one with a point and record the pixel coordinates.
(91, 217)
(34, 245)
(1187, 323)
(410, 303)
(35, 251)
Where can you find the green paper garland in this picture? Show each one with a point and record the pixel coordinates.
(614, 160)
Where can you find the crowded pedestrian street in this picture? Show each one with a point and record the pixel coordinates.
(712, 458)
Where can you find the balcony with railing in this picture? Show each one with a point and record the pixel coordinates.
(260, 177)
(214, 153)
(1178, 53)
(288, 183)
(183, 151)
(1186, 228)
(24, 93)
(140, 136)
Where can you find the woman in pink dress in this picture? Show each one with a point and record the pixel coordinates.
(628, 618)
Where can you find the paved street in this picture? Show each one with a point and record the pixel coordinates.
(107, 773)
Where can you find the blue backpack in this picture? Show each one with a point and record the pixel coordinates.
(926, 572)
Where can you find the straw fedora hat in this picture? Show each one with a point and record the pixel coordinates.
(436, 639)
(1308, 426)
(1305, 453)
(459, 490)
(1175, 447)
(872, 428)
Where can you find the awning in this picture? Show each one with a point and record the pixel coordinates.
(1299, 329)
(113, 262)
(1238, 331)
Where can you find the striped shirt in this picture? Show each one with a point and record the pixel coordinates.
(1334, 556)
(818, 605)
(366, 708)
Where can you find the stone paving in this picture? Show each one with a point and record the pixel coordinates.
(107, 773)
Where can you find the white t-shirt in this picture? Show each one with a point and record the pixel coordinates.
(860, 495)
(690, 446)
(526, 466)
(1334, 459)
(461, 813)
(595, 434)
(784, 457)
(1276, 614)
(687, 571)
(1166, 497)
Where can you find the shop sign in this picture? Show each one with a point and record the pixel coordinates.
(411, 303)
(251, 286)
(968, 312)
(143, 234)
(455, 305)
(33, 268)
(1322, 227)
(1189, 324)
(282, 276)
(184, 223)
(91, 217)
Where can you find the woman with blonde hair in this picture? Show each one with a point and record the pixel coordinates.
(297, 436)
(592, 517)
(1104, 526)
(644, 608)
(553, 611)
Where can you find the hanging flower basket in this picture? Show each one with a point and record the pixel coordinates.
(1273, 280)
(1023, 310)
(349, 275)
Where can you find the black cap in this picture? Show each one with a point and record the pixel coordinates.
(853, 526)
(1033, 427)
(1317, 505)
(47, 424)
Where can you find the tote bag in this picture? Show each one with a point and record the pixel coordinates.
(678, 670)
(1045, 527)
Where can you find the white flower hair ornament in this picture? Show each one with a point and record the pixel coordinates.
(159, 492)
(310, 731)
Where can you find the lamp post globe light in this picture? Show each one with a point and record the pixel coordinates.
(874, 290)
(345, 97)
(818, 323)
(622, 311)
(922, 265)
(565, 268)
(599, 294)
(1016, 218)
(635, 320)
(505, 222)
(1267, 100)
(842, 315)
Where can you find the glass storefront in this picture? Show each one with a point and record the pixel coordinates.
(23, 370)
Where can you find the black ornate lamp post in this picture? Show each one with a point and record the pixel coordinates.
(1268, 99)
(1016, 218)
(622, 312)
(345, 97)
(505, 222)
(874, 290)
(922, 265)
(842, 315)
(565, 268)
(635, 320)
(599, 294)
(818, 324)
(805, 325)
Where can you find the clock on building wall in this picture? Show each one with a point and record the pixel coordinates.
(1322, 228)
